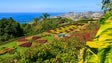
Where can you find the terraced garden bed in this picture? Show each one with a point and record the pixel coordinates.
(45, 43)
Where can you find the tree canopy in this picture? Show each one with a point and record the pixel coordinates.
(9, 29)
(106, 5)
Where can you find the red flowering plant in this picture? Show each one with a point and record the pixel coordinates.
(85, 35)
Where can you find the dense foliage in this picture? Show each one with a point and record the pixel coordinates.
(100, 49)
(106, 5)
(77, 47)
(57, 50)
(9, 29)
(39, 25)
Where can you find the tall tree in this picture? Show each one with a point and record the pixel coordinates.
(106, 5)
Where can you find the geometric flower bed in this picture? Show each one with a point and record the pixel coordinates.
(83, 35)
(27, 44)
(65, 29)
(24, 42)
(5, 50)
(35, 37)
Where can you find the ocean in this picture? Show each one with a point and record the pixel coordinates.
(25, 17)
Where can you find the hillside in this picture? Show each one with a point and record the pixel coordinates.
(56, 45)
(68, 42)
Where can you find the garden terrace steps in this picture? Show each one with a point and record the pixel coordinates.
(44, 42)
(67, 29)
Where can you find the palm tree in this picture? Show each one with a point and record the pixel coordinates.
(45, 16)
(106, 5)
(35, 20)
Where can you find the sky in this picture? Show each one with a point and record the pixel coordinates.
(49, 5)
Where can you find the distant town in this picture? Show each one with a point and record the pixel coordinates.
(78, 15)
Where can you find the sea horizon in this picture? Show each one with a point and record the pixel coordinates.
(26, 17)
(22, 17)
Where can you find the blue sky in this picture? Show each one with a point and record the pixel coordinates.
(49, 5)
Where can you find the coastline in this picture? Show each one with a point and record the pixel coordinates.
(22, 17)
(26, 17)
